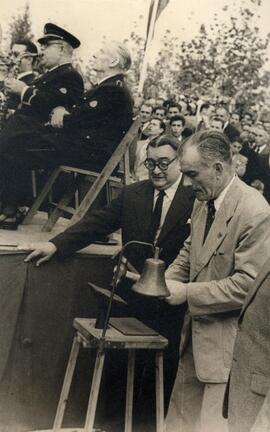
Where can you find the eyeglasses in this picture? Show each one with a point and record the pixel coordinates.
(48, 44)
(163, 165)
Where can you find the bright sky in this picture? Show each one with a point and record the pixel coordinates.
(91, 19)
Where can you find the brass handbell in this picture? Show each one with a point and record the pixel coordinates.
(152, 280)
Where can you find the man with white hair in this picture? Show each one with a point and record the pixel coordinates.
(84, 135)
(91, 131)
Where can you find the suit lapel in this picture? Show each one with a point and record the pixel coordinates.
(218, 231)
(178, 209)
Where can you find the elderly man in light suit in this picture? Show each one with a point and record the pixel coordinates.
(230, 237)
(248, 402)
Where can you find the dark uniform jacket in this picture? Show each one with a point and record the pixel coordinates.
(60, 86)
(97, 124)
(14, 100)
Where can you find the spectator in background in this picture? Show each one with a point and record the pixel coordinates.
(240, 164)
(265, 119)
(236, 146)
(258, 184)
(235, 120)
(138, 100)
(229, 130)
(216, 123)
(262, 142)
(159, 112)
(247, 118)
(173, 109)
(203, 119)
(139, 172)
(145, 114)
(177, 125)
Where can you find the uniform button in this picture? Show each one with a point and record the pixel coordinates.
(74, 106)
(27, 343)
(84, 98)
(88, 137)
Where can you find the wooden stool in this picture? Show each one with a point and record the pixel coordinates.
(122, 333)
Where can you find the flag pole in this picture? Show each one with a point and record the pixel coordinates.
(147, 47)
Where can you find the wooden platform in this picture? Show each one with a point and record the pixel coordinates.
(25, 234)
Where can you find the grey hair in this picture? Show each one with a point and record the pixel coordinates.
(123, 55)
(211, 144)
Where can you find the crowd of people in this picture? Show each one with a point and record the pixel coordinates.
(200, 182)
(249, 134)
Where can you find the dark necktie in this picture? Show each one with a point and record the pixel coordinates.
(210, 217)
(156, 215)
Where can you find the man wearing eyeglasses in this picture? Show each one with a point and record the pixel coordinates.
(135, 211)
(24, 54)
(60, 85)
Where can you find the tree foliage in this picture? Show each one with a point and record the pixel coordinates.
(225, 59)
(20, 26)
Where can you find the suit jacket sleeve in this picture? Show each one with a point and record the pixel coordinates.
(229, 293)
(93, 226)
(63, 91)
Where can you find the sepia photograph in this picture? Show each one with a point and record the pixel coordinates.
(134, 216)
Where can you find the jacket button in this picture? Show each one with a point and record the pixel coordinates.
(88, 137)
(27, 343)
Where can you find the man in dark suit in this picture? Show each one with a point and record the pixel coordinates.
(248, 400)
(24, 54)
(132, 211)
(60, 85)
(229, 130)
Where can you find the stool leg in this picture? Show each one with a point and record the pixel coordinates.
(66, 385)
(159, 392)
(130, 389)
(94, 392)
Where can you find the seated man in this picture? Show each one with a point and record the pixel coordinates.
(60, 85)
(92, 130)
(133, 212)
(24, 54)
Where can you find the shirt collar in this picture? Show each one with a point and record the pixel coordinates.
(218, 201)
(57, 66)
(23, 74)
(107, 77)
(170, 191)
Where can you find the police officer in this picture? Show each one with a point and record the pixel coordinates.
(61, 85)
